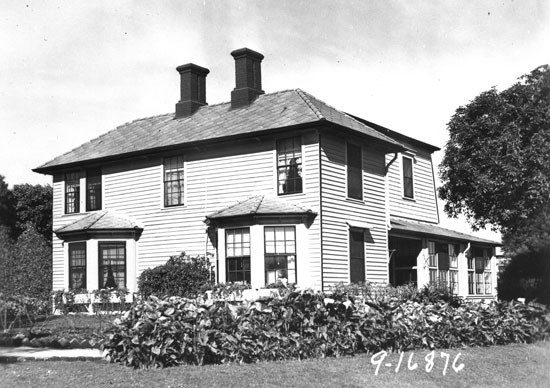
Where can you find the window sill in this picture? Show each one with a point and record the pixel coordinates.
(355, 200)
(408, 199)
(292, 194)
(173, 208)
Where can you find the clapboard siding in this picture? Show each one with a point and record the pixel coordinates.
(338, 210)
(215, 177)
(424, 206)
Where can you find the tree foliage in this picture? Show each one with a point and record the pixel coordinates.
(25, 239)
(34, 208)
(26, 265)
(496, 167)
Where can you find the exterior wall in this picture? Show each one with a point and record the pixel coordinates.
(338, 210)
(424, 205)
(215, 177)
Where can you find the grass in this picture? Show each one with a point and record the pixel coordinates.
(498, 366)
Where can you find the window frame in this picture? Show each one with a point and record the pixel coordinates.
(72, 192)
(354, 174)
(241, 259)
(79, 268)
(180, 171)
(283, 170)
(357, 257)
(289, 256)
(439, 272)
(94, 184)
(405, 178)
(101, 266)
(480, 274)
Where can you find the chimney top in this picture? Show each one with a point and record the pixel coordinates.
(192, 88)
(248, 77)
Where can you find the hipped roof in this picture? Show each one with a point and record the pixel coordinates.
(259, 205)
(285, 109)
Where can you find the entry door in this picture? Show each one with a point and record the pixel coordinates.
(356, 255)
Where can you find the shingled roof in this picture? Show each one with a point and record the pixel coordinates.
(287, 108)
(104, 221)
(435, 230)
(260, 205)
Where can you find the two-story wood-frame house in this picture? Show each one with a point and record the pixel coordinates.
(269, 186)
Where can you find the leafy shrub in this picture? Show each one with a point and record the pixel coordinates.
(181, 276)
(173, 331)
(21, 310)
(223, 291)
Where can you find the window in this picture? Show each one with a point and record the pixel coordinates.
(72, 193)
(479, 271)
(443, 264)
(355, 172)
(112, 265)
(173, 181)
(289, 165)
(356, 255)
(280, 253)
(77, 266)
(403, 260)
(93, 190)
(237, 244)
(408, 184)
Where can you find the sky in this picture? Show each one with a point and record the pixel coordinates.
(72, 70)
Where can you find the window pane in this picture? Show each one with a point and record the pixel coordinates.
(354, 171)
(357, 255)
(408, 189)
(173, 181)
(280, 248)
(77, 266)
(237, 245)
(289, 165)
(72, 193)
(112, 265)
(93, 190)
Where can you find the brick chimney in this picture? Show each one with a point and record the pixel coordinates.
(193, 89)
(248, 77)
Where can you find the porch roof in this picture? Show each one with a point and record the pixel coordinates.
(420, 228)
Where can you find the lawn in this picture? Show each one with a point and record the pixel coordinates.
(498, 366)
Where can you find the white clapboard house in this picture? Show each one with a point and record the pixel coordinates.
(277, 186)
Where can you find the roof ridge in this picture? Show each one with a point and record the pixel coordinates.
(262, 197)
(305, 96)
(101, 215)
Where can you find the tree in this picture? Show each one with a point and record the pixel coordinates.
(7, 206)
(34, 208)
(26, 265)
(496, 167)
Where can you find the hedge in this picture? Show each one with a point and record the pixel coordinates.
(162, 332)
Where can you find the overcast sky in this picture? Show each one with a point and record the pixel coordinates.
(72, 70)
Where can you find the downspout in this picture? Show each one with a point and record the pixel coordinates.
(321, 210)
